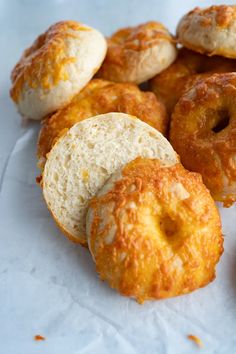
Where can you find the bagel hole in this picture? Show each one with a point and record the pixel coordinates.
(168, 226)
(222, 122)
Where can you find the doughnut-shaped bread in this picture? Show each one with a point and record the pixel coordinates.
(100, 97)
(85, 157)
(136, 54)
(203, 132)
(210, 31)
(56, 67)
(188, 68)
(154, 231)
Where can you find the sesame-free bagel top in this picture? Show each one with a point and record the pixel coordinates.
(204, 121)
(57, 66)
(154, 231)
(210, 31)
(136, 54)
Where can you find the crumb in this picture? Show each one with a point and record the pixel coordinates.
(38, 337)
(195, 339)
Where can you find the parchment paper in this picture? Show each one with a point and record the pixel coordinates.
(48, 285)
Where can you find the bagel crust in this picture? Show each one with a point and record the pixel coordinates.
(136, 54)
(210, 31)
(100, 97)
(154, 231)
(203, 132)
(188, 68)
(57, 66)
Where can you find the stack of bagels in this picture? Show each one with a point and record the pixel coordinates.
(112, 181)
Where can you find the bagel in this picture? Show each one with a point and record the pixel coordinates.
(188, 68)
(136, 54)
(100, 97)
(56, 67)
(154, 231)
(204, 121)
(83, 159)
(209, 31)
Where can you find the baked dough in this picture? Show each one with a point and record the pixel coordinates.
(210, 31)
(99, 97)
(136, 54)
(85, 157)
(203, 132)
(56, 67)
(154, 231)
(188, 68)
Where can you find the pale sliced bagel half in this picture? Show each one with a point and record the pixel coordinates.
(83, 159)
(100, 97)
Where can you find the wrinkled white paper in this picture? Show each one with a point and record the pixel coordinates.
(48, 285)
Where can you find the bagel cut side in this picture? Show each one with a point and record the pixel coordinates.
(84, 158)
(100, 97)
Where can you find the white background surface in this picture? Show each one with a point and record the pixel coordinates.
(48, 285)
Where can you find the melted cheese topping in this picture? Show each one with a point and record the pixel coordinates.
(140, 37)
(150, 242)
(44, 63)
(222, 15)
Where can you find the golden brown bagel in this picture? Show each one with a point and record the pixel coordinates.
(209, 31)
(100, 97)
(187, 69)
(154, 231)
(136, 54)
(59, 63)
(203, 132)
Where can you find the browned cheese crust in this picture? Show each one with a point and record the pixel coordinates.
(187, 69)
(156, 233)
(34, 67)
(203, 132)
